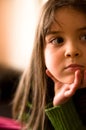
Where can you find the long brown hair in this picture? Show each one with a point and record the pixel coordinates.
(35, 87)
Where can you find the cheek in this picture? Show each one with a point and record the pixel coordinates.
(50, 63)
(53, 61)
(55, 64)
(53, 56)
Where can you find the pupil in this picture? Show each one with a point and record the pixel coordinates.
(60, 40)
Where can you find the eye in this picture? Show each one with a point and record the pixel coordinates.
(57, 41)
(83, 37)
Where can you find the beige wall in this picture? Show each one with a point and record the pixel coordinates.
(17, 24)
(5, 30)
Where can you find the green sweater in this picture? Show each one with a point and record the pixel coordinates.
(65, 117)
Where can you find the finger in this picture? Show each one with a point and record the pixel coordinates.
(58, 101)
(59, 97)
(77, 80)
(74, 86)
(67, 90)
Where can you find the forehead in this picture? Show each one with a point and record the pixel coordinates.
(67, 16)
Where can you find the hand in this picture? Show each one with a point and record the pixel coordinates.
(63, 92)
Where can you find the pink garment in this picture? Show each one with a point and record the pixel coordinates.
(9, 124)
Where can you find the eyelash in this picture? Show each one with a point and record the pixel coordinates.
(57, 41)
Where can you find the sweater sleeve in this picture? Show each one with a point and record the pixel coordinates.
(64, 117)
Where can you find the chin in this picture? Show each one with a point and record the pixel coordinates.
(67, 80)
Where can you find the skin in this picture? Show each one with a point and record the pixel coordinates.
(65, 53)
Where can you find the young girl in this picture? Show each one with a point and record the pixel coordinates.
(54, 83)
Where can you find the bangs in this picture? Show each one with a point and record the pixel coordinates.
(53, 6)
(50, 19)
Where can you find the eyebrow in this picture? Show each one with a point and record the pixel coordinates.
(82, 28)
(53, 32)
(57, 32)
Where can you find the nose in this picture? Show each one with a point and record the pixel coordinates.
(72, 51)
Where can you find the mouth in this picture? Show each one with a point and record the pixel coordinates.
(74, 67)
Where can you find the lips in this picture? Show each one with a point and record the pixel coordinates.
(75, 67)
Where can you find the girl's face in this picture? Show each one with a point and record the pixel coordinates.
(65, 49)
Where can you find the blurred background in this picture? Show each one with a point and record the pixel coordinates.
(17, 26)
